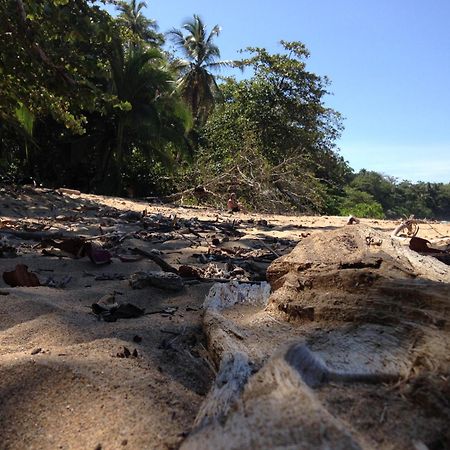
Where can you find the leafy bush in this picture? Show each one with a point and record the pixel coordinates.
(360, 204)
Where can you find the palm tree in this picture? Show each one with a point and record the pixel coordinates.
(149, 116)
(132, 17)
(197, 85)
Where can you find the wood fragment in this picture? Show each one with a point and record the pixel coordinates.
(163, 280)
(166, 267)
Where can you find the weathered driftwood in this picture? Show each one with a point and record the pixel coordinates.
(163, 280)
(226, 347)
(360, 308)
(410, 225)
(166, 267)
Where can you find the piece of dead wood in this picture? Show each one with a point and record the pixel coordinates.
(168, 310)
(114, 311)
(269, 248)
(36, 235)
(183, 236)
(166, 267)
(20, 276)
(68, 191)
(163, 280)
(128, 258)
(411, 225)
(70, 246)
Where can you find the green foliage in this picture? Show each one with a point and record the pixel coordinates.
(142, 29)
(59, 50)
(277, 123)
(196, 84)
(430, 200)
(144, 176)
(360, 204)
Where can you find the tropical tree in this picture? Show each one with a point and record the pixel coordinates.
(279, 120)
(196, 83)
(131, 17)
(51, 72)
(148, 115)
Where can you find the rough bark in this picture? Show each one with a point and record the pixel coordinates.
(351, 310)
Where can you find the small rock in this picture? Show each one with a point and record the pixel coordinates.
(36, 351)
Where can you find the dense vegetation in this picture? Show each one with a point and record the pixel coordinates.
(97, 103)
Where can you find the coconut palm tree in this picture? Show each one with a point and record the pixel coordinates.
(147, 117)
(197, 85)
(132, 17)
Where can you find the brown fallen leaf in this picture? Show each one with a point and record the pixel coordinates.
(190, 272)
(21, 277)
(72, 247)
(421, 245)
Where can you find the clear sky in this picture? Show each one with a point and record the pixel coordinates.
(388, 61)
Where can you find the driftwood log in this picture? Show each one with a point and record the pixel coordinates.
(163, 280)
(349, 351)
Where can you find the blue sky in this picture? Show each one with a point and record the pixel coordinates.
(388, 61)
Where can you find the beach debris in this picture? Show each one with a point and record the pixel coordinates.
(163, 280)
(7, 251)
(59, 284)
(125, 353)
(129, 258)
(73, 247)
(421, 245)
(168, 310)
(110, 311)
(76, 248)
(68, 191)
(411, 225)
(154, 256)
(97, 254)
(20, 276)
(108, 276)
(352, 220)
(190, 272)
(36, 351)
(131, 216)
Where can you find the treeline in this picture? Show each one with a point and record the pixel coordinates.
(370, 194)
(99, 103)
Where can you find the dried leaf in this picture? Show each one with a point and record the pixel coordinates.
(190, 272)
(21, 277)
(421, 245)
